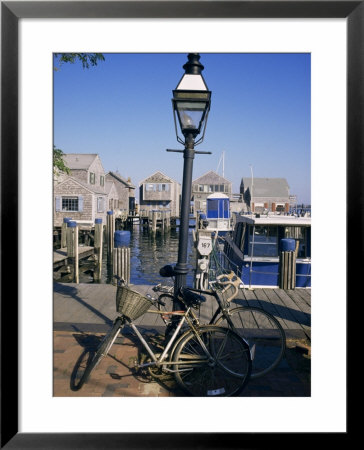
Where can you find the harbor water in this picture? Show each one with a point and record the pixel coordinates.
(148, 253)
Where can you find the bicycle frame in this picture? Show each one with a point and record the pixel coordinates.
(220, 308)
(232, 282)
(161, 360)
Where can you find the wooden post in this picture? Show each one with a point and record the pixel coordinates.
(169, 220)
(110, 232)
(115, 266)
(76, 273)
(163, 217)
(154, 221)
(64, 232)
(72, 248)
(98, 246)
(150, 213)
(121, 256)
(288, 270)
(283, 270)
(122, 263)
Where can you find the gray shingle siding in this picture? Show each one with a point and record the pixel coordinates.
(159, 199)
(71, 188)
(206, 185)
(123, 188)
(266, 193)
(96, 198)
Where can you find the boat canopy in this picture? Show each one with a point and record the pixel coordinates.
(275, 220)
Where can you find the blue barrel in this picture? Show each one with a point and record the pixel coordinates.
(71, 224)
(121, 238)
(98, 220)
(66, 219)
(288, 245)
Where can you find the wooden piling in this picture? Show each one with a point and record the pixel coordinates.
(154, 221)
(110, 226)
(121, 266)
(72, 248)
(64, 232)
(288, 270)
(168, 220)
(98, 246)
(121, 256)
(163, 217)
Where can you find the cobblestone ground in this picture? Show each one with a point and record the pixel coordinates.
(115, 375)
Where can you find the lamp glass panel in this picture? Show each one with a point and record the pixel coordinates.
(191, 114)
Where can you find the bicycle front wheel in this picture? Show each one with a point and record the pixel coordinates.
(103, 349)
(215, 362)
(264, 334)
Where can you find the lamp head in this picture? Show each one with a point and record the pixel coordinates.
(191, 98)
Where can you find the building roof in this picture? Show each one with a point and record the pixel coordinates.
(118, 177)
(216, 195)
(79, 161)
(266, 187)
(158, 177)
(108, 186)
(211, 178)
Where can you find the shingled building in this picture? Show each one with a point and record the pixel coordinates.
(206, 185)
(265, 194)
(160, 192)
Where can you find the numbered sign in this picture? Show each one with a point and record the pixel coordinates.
(204, 245)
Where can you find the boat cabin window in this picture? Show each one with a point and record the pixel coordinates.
(239, 237)
(265, 240)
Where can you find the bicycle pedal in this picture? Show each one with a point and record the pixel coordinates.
(136, 364)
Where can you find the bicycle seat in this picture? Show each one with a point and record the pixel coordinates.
(191, 298)
(167, 271)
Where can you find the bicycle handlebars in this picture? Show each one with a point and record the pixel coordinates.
(232, 280)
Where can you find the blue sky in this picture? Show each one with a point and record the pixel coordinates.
(121, 109)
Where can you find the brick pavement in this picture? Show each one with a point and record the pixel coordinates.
(114, 376)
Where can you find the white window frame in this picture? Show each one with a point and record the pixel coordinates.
(100, 204)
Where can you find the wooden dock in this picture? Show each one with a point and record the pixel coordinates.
(60, 257)
(155, 220)
(91, 308)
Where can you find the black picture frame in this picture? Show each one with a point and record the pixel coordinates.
(11, 12)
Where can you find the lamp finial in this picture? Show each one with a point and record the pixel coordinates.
(193, 65)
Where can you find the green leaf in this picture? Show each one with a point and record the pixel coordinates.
(86, 59)
(58, 162)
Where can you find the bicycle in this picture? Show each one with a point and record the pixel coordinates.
(205, 360)
(260, 329)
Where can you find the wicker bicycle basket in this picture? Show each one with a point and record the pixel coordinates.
(130, 303)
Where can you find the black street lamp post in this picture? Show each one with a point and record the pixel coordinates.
(191, 103)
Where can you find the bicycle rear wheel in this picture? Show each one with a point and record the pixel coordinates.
(263, 333)
(103, 349)
(225, 374)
